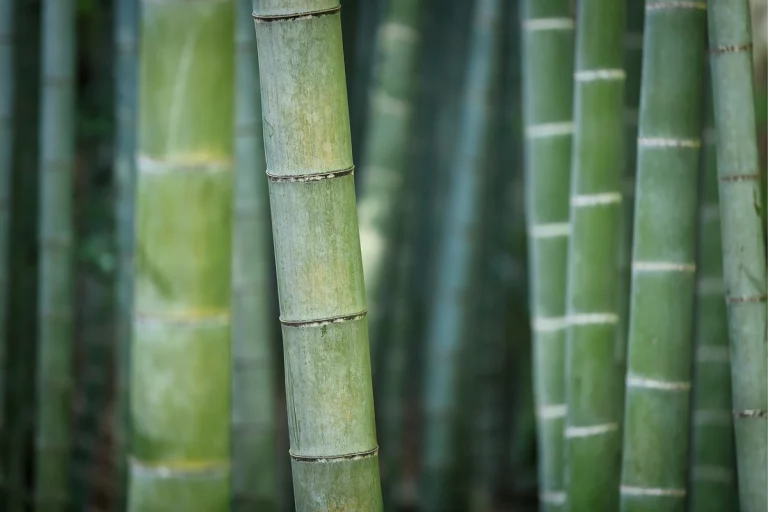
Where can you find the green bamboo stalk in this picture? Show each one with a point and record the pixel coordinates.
(386, 154)
(55, 310)
(317, 249)
(7, 35)
(743, 241)
(126, 75)
(655, 456)
(254, 476)
(712, 469)
(450, 322)
(180, 362)
(593, 376)
(548, 100)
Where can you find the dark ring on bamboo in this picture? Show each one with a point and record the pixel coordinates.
(332, 458)
(266, 18)
(739, 177)
(324, 321)
(56, 81)
(303, 178)
(56, 166)
(731, 48)
(753, 298)
(751, 413)
(249, 363)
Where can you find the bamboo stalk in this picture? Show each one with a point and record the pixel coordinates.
(253, 409)
(593, 376)
(449, 319)
(658, 384)
(743, 241)
(180, 366)
(317, 250)
(55, 310)
(547, 29)
(712, 468)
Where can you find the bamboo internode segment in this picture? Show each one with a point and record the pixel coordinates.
(317, 252)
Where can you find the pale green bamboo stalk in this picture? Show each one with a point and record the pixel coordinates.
(7, 35)
(593, 375)
(744, 273)
(386, 154)
(317, 250)
(443, 484)
(126, 75)
(547, 28)
(712, 470)
(180, 361)
(254, 471)
(655, 455)
(56, 297)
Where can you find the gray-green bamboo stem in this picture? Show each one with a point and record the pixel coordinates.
(712, 472)
(181, 358)
(317, 251)
(593, 375)
(254, 471)
(658, 382)
(743, 242)
(56, 297)
(547, 28)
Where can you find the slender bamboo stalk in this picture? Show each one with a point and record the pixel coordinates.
(7, 35)
(743, 241)
(450, 319)
(126, 75)
(593, 376)
(655, 456)
(548, 99)
(180, 361)
(317, 249)
(55, 310)
(386, 154)
(253, 408)
(712, 469)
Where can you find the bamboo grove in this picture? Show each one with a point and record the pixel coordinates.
(383, 255)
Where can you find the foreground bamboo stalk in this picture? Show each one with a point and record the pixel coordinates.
(254, 472)
(180, 361)
(658, 384)
(594, 378)
(743, 241)
(55, 309)
(548, 99)
(317, 252)
(712, 469)
(450, 322)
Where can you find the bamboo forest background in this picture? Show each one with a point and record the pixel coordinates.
(438, 91)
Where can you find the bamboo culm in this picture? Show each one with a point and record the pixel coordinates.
(713, 459)
(743, 242)
(55, 310)
(658, 382)
(254, 471)
(317, 251)
(548, 98)
(593, 374)
(182, 289)
(450, 321)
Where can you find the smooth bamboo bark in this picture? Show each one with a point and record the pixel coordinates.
(126, 75)
(180, 361)
(547, 29)
(254, 471)
(386, 154)
(712, 471)
(593, 375)
(655, 456)
(317, 250)
(55, 301)
(744, 272)
(450, 321)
